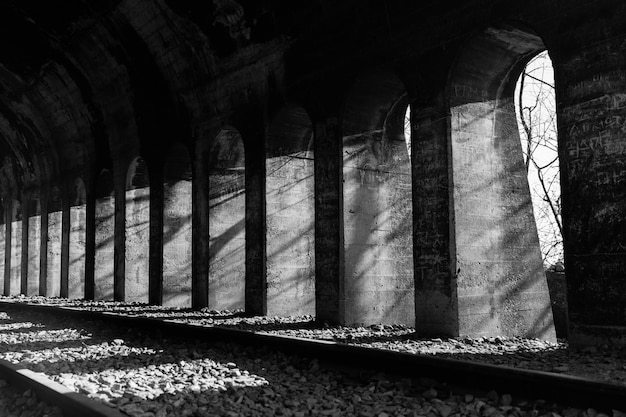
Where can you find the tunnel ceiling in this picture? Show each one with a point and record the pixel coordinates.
(82, 81)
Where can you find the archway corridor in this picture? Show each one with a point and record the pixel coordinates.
(328, 161)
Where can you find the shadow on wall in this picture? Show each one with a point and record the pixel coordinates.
(227, 208)
(500, 281)
(137, 232)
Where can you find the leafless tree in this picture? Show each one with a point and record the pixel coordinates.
(536, 112)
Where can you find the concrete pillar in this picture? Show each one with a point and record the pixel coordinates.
(77, 240)
(591, 93)
(53, 244)
(177, 210)
(104, 237)
(227, 221)
(15, 281)
(435, 304)
(34, 245)
(137, 233)
(377, 219)
(329, 285)
(377, 212)
(256, 279)
(3, 245)
(289, 202)
(501, 287)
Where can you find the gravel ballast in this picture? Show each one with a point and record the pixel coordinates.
(142, 376)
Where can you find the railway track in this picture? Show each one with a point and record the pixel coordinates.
(459, 376)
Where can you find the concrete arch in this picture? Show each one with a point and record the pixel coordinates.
(76, 241)
(33, 243)
(377, 211)
(137, 232)
(227, 215)
(177, 219)
(54, 242)
(500, 283)
(104, 237)
(290, 213)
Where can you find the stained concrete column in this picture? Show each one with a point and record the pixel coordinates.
(54, 244)
(33, 241)
(290, 208)
(256, 280)
(90, 245)
(226, 189)
(329, 286)
(500, 284)
(591, 91)
(200, 229)
(155, 239)
(15, 281)
(3, 246)
(435, 307)
(104, 239)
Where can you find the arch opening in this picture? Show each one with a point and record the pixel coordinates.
(177, 212)
(137, 233)
(290, 214)
(535, 106)
(104, 237)
(227, 215)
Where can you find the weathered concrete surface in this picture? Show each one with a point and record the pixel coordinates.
(137, 244)
(379, 285)
(500, 282)
(177, 243)
(436, 310)
(34, 249)
(591, 109)
(329, 283)
(3, 248)
(53, 258)
(289, 210)
(76, 269)
(377, 213)
(15, 264)
(104, 248)
(103, 84)
(227, 222)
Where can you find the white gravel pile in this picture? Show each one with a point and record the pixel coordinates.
(145, 377)
(605, 363)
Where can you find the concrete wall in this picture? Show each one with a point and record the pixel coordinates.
(3, 247)
(500, 282)
(34, 246)
(377, 214)
(15, 281)
(140, 76)
(289, 205)
(77, 240)
(591, 106)
(104, 238)
(227, 222)
(137, 238)
(177, 211)
(54, 239)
